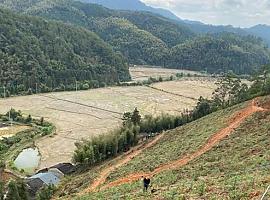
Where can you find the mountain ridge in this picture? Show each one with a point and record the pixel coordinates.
(51, 54)
(134, 5)
(145, 38)
(197, 26)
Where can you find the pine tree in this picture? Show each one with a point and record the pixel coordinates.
(46, 193)
(136, 117)
(2, 192)
(22, 189)
(13, 193)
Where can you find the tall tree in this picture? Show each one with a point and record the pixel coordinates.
(136, 117)
(13, 193)
(2, 191)
(22, 189)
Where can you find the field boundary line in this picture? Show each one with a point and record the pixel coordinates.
(167, 92)
(68, 111)
(81, 104)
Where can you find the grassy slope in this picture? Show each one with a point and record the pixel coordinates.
(234, 169)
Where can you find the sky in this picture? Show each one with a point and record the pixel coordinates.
(239, 13)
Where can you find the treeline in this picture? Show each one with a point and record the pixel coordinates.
(73, 85)
(104, 147)
(134, 127)
(51, 55)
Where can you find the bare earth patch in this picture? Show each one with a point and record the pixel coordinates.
(83, 114)
(11, 130)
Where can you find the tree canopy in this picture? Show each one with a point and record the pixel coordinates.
(36, 51)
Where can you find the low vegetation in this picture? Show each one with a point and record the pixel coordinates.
(230, 91)
(237, 168)
(10, 147)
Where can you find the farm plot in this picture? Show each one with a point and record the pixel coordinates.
(83, 114)
(8, 131)
(141, 73)
(189, 87)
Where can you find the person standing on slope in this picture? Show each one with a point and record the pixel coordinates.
(146, 183)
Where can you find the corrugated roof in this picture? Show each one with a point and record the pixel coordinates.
(48, 178)
(65, 168)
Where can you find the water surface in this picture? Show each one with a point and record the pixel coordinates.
(28, 160)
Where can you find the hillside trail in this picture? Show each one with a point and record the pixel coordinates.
(126, 158)
(234, 122)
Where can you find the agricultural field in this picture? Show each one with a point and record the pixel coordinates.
(8, 131)
(224, 155)
(83, 114)
(141, 73)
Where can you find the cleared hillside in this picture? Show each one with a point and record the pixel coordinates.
(222, 156)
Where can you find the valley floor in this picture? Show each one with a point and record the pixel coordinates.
(83, 114)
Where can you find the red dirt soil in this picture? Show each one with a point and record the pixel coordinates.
(235, 122)
(126, 158)
(6, 176)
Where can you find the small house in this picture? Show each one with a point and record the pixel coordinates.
(65, 168)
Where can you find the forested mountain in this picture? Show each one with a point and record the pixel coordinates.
(135, 5)
(143, 38)
(196, 26)
(169, 32)
(262, 31)
(146, 38)
(35, 51)
(220, 53)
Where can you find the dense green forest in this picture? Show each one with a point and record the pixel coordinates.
(166, 30)
(221, 53)
(35, 52)
(146, 38)
(138, 45)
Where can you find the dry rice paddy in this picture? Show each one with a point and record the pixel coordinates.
(140, 73)
(83, 114)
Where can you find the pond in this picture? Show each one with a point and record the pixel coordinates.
(28, 160)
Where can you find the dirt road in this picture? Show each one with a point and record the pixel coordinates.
(234, 122)
(126, 158)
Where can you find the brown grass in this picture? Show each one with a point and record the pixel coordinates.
(12, 130)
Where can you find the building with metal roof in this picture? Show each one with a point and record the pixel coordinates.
(48, 178)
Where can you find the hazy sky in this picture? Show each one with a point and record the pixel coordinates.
(242, 13)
